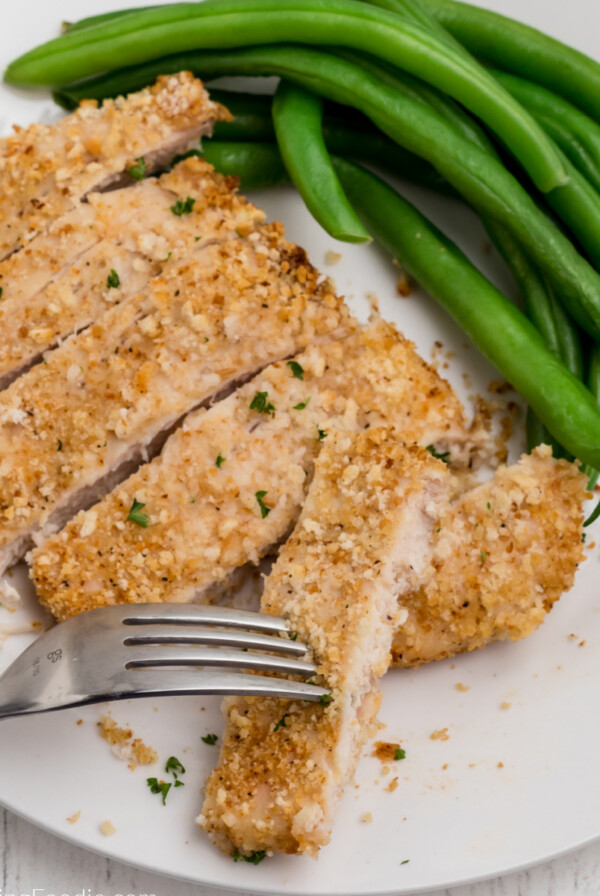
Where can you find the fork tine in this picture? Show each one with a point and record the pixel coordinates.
(227, 637)
(194, 614)
(151, 683)
(167, 655)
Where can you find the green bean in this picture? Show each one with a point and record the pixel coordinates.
(223, 24)
(523, 50)
(578, 205)
(259, 165)
(297, 117)
(594, 387)
(102, 18)
(494, 324)
(577, 134)
(251, 116)
(474, 173)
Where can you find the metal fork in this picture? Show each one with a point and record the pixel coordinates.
(152, 650)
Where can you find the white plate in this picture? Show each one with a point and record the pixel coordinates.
(510, 787)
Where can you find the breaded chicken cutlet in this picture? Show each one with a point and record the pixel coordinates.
(70, 426)
(363, 537)
(106, 251)
(504, 552)
(200, 494)
(46, 170)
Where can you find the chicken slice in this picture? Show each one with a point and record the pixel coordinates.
(135, 233)
(46, 169)
(504, 553)
(362, 539)
(75, 424)
(200, 494)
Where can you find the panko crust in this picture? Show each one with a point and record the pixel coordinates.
(504, 553)
(46, 169)
(205, 520)
(363, 536)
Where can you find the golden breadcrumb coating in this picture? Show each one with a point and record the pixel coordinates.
(46, 169)
(504, 553)
(200, 493)
(64, 278)
(223, 312)
(363, 537)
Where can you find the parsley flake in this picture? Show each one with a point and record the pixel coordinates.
(593, 515)
(488, 505)
(302, 405)
(210, 739)
(296, 369)
(322, 433)
(443, 456)
(59, 444)
(294, 636)
(326, 699)
(174, 766)
(254, 858)
(405, 861)
(261, 403)
(112, 281)
(264, 510)
(141, 519)
(157, 786)
(183, 206)
(400, 754)
(281, 722)
(219, 461)
(138, 171)
(1, 291)
(483, 555)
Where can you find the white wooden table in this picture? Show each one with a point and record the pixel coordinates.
(35, 863)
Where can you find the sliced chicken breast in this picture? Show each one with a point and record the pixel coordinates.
(200, 495)
(45, 170)
(135, 232)
(504, 553)
(71, 426)
(363, 537)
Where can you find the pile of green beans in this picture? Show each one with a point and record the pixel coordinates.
(401, 65)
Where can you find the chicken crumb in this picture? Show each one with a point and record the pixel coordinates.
(124, 745)
(73, 819)
(439, 734)
(500, 765)
(332, 257)
(79, 722)
(385, 752)
(366, 818)
(404, 286)
(462, 687)
(392, 785)
(107, 828)
(505, 705)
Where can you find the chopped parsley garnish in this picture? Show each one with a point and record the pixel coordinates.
(488, 505)
(294, 636)
(254, 858)
(296, 369)
(261, 403)
(138, 171)
(264, 510)
(140, 519)
(483, 555)
(593, 515)
(302, 405)
(583, 538)
(443, 456)
(1, 291)
(326, 699)
(59, 444)
(281, 722)
(112, 281)
(183, 206)
(157, 786)
(322, 433)
(219, 461)
(400, 754)
(210, 739)
(175, 767)
(240, 232)
(405, 861)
